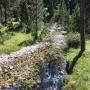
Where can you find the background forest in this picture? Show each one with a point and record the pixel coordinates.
(25, 22)
(31, 18)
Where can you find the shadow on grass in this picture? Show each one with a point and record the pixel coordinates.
(71, 66)
(27, 43)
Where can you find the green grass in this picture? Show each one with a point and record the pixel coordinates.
(80, 78)
(13, 43)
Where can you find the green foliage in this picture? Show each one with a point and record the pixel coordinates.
(13, 38)
(4, 37)
(42, 35)
(73, 40)
(13, 26)
(13, 43)
(71, 85)
(61, 14)
(64, 15)
(27, 43)
(88, 26)
(22, 13)
(79, 80)
(74, 21)
(1, 26)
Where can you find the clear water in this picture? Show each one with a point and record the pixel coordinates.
(13, 88)
(50, 79)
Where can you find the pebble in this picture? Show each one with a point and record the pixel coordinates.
(4, 59)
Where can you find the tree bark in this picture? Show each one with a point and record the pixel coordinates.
(5, 15)
(82, 25)
(36, 21)
(82, 37)
(1, 14)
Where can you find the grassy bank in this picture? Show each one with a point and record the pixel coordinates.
(13, 43)
(80, 79)
(15, 39)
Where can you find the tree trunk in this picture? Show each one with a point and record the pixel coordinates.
(82, 37)
(82, 24)
(1, 14)
(36, 21)
(5, 15)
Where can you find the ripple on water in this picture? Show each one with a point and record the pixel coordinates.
(51, 79)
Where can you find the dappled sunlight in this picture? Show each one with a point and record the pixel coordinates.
(12, 44)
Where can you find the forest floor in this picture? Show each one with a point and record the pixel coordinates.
(80, 78)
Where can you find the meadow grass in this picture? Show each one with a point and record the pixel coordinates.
(13, 43)
(80, 78)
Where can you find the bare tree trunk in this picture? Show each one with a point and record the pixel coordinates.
(5, 15)
(1, 14)
(82, 24)
(36, 21)
(82, 37)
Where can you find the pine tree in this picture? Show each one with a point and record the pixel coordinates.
(36, 11)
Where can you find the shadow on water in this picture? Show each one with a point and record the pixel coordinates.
(50, 79)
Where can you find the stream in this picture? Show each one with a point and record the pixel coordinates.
(51, 78)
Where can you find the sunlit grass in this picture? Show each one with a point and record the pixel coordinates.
(80, 79)
(13, 43)
(17, 41)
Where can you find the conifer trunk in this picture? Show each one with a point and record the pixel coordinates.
(82, 24)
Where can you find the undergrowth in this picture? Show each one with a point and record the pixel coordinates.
(80, 78)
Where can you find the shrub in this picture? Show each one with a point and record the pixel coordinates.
(74, 20)
(1, 40)
(87, 36)
(1, 26)
(27, 43)
(13, 26)
(4, 37)
(73, 40)
(70, 86)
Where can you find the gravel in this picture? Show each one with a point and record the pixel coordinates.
(4, 59)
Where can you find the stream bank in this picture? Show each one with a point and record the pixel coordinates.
(24, 68)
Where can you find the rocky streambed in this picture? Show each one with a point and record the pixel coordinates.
(5, 59)
(27, 68)
(23, 67)
(54, 67)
